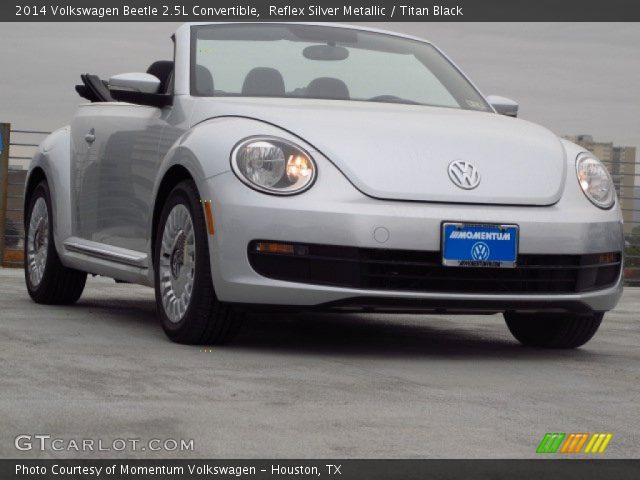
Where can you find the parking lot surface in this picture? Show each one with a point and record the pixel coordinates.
(307, 385)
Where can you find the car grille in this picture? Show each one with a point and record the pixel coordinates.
(422, 271)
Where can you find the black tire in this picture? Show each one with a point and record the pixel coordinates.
(59, 285)
(206, 320)
(557, 330)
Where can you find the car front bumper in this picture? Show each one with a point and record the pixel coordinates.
(333, 212)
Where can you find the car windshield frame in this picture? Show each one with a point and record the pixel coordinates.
(464, 93)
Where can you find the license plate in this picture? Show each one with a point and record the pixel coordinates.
(479, 245)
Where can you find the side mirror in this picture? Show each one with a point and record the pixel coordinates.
(135, 82)
(138, 88)
(504, 106)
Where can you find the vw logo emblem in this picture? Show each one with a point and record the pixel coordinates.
(464, 174)
(480, 251)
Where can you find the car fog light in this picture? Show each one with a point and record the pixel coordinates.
(612, 257)
(279, 248)
(298, 166)
(272, 247)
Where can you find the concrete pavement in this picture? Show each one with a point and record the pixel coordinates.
(316, 385)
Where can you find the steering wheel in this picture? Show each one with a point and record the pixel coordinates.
(392, 99)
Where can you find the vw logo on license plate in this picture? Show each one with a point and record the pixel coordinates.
(480, 251)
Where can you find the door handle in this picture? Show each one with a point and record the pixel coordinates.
(91, 136)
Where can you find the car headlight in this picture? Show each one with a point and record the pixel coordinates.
(273, 165)
(595, 181)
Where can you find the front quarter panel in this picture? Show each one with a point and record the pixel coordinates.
(205, 149)
(53, 158)
(205, 152)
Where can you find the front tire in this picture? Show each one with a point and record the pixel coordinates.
(186, 301)
(553, 330)
(48, 281)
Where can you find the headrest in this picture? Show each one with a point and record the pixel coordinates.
(263, 82)
(327, 87)
(204, 81)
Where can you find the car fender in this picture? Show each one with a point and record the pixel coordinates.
(210, 143)
(53, 157)
(205, 150)
(572, 151)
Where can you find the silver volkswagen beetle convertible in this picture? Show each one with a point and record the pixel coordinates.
(320, 166)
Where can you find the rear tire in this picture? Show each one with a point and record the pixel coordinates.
(553, 330)
(48, 281)
(186, 301)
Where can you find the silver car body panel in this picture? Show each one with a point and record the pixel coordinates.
(104, 192)
(520, 163)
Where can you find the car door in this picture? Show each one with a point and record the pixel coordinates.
(115, 161)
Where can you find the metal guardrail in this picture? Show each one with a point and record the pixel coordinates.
(19, 146)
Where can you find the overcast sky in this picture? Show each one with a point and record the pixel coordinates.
(571, 78)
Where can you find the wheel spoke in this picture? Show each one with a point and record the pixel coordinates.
(177, 263)
(37, 241)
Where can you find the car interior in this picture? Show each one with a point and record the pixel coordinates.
(268, 82)
(259, 82)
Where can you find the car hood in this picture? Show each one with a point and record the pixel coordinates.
(403, 152)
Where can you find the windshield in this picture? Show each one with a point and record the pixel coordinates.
(305, 61)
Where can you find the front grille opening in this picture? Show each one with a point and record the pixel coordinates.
(422, 271)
